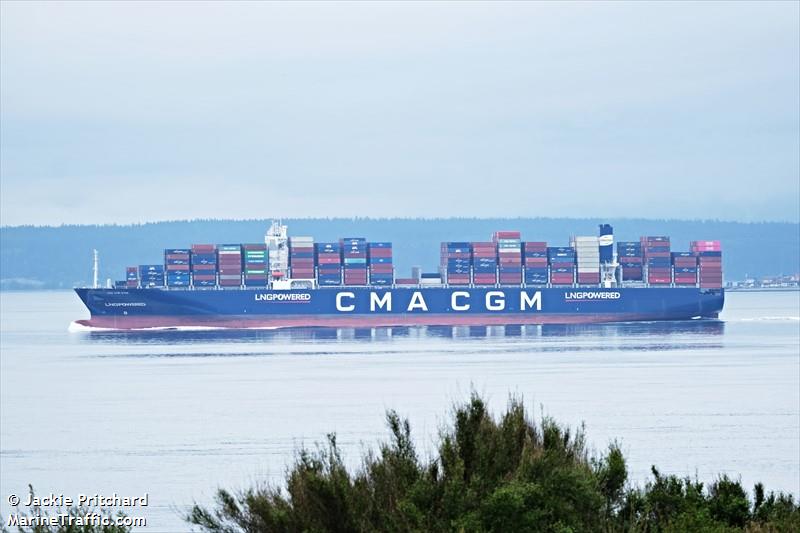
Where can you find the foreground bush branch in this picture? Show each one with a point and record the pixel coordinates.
(505, 475)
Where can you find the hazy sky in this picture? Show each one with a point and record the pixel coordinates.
(115, 112)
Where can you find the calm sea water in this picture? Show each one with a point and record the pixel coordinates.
(179, 414)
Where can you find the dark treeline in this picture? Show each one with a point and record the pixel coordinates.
(61, 257)
(491, 475)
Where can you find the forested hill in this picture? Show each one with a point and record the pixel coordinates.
(61, 257)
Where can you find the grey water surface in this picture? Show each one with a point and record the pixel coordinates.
(178, 414)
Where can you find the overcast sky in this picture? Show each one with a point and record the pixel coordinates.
(115, 112)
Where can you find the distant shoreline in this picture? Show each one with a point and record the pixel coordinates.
(764, 289)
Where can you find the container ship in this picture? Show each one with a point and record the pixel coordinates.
(351, 283)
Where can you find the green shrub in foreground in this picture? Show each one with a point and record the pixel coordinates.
(505, 475)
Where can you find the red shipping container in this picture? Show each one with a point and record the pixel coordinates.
(177, 267)
(382, 269)
(405, 281)
(132, 284)
(535, 246)
(203, 248)
(380, 252)
(506, 235)
(636, 259)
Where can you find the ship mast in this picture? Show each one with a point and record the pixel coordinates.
(95, 284)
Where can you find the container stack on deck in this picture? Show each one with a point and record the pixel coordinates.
(509, 257)
(587, 251)
(506, 260)
(329, 263)
(255, 265)
(629, 257)
(709, 255)
(535, 260)
(151, 276)
(684, 269)
(229, 259)
(177, 264)
(131, 277)
(562, 265)
(354, 254)
(484, 263)
(204, 266)
(455, 262)
(301, 257)
(657, 260)
(379, 260)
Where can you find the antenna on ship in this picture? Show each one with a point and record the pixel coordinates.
(95, 283)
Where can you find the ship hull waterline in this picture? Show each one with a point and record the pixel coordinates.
(369, 307)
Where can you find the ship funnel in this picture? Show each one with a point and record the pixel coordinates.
(606, 243)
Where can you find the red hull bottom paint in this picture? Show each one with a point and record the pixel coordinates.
(238, 322)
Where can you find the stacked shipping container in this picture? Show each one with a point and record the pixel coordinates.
(657, 260)
(535, 259)
(629, 257)
(229, 259)
(509, 257)
(354, 255)
(709, 255)
(455, 262)
(151, 276)
(329, 263)
(379, 260)
(461, 263)
(484, 263)
(301, 257)
(562, 265)
(177, 262)
(204, 265)
(587, 251)
(255, 265)
(132, 277)
(684, 269)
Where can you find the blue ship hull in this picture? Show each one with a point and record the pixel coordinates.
(348, 307)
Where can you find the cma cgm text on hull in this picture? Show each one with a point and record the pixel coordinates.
(285, 282)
